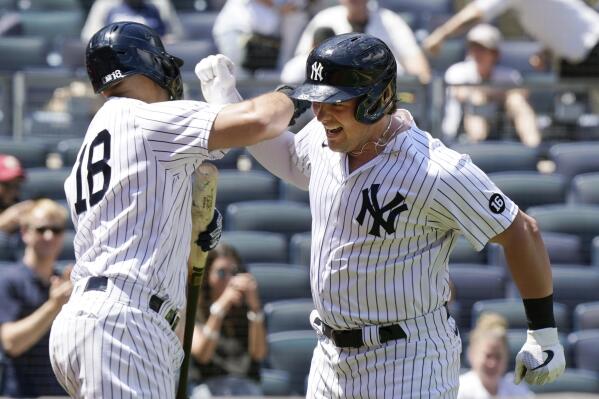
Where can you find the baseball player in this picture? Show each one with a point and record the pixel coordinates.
(388, 203)
(129, 195)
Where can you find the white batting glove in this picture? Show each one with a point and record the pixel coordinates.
(541, 359)
(217, 80)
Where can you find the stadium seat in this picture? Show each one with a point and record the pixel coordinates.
(258, 246)
(528, 189)
(586, 316)
(229, 161)
(571, 381)
(585, 189)
(45, 183)
(68, 249)
(453, 51)
(581, 220)
(197, 25)
(515, 54)
(20, 53)
(474, 284)
(288, 315)
(299, 248)
(572, 159)
(72, 51)
(513, 311)
(562, 249)
(191, 51)
(595, 251)
(30, 153)
(499, 156)
(278, 281)
(289, 192)
(463, 252)
(48, 5)
(291, 351)
(584, 345)
(68, 150)
(235, 186)
(52, 24)
(285, 217)
(275, 382)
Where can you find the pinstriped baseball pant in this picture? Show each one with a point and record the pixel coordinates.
(425, 365)
(104, 347)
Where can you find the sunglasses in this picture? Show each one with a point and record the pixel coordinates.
(222, 273)
(53, 229)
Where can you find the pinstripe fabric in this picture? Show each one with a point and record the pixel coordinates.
(387, 263)
(136, 161)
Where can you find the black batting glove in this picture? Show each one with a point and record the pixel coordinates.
(300, 105)
(209, 238)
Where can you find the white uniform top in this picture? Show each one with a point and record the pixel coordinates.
(136, 223)
(382, 23)
(465, 72)
(548, 21)
(367, 270)
(472, 388)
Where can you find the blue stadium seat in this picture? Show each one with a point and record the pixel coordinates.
(45, 183)
(299, 248)
(595, 251)
(586, 316)
(235, 186)
(453, 51)
(191, 51)
(464, 252)
(289, 192)
(572, 159)
(528, 189)
(52, 24)
(291, 351)
(68, 150)
(278, 281)
(572, 381)
(584, 345)
(229, 161)
(197, 25)
(288, 315)
(31, 153)
(258, 246)
(285, 217)
(499, 156)
(515, 54)
(68, 249)
(48, 5)
(585, 189)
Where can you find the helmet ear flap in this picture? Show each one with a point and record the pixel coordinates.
(377, 102)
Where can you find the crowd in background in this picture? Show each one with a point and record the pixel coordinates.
(272, 38)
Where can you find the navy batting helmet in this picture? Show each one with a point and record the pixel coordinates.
(353, 65)
(123, 49)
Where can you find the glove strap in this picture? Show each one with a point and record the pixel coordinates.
(539, 312)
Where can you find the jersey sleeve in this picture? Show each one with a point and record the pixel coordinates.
(301, 146)
(178, 131)
(466, 200)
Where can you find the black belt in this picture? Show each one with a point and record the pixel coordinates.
(353, 338)
(100, 283)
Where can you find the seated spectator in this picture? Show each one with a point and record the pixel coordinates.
(479, 109)
(360, 16)
(229, 339)
(160, 15)
(246, 30)
(11, 209)
(294, 71)
(32, 293)
(488, 356)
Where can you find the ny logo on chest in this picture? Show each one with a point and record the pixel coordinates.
(370, 203)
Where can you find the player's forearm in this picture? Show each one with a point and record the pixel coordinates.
(527, 257)
(252, 121)
(274, 155)
(19, 336)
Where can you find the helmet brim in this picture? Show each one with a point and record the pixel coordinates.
(326, 94)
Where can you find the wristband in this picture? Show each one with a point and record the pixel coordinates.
(539, 312)
(210, 333)
(217, 310)
(255, 316)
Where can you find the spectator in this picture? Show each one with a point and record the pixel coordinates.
(229, 340)
(277, 23)
(488, 354)
(160, 15)
(11, 209)
(481, 107)
(32, 293)
(361, 16)
(578, 50)
(294, 71)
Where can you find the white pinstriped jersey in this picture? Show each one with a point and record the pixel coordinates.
(130, 192)
(381, 236)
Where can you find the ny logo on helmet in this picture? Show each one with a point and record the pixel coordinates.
(316, 73)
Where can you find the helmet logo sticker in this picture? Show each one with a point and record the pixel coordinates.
(112, 76)
(316, 73)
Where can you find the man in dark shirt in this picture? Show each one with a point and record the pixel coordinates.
(32, 293)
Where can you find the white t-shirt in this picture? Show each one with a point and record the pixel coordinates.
(465, 72)
(247, 16)
(569, 28)
(472, 388)
(294, 71)
(382, 23)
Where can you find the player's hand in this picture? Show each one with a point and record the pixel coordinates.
(541, 359)
(209, 238)
(217, 80)
(300, 105)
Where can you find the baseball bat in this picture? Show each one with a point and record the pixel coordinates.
(202, 209)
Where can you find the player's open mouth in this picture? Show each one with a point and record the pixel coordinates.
(334, 132)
